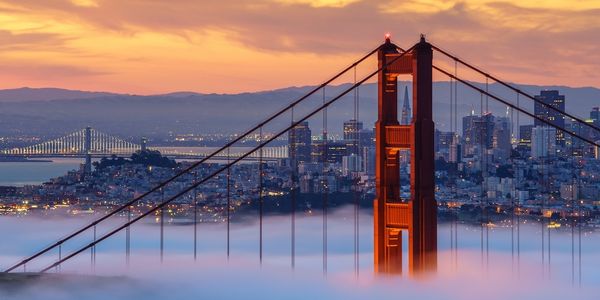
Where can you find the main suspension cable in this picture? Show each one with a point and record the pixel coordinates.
(159, 206)
(470, 85)
(548, 106)
(194, 165)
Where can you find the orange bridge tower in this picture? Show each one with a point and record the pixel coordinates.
(391, 215)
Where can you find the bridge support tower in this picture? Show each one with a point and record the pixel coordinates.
(392, 216)
(144, 144)
(87, 150)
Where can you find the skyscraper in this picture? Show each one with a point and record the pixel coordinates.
(485, 128)
(368, 160)
(501, 136)
(443, 142)
(455, 153)
(543, 141)
(352, 129)
(557, 101)
(468, 133)
(595, 115)
(299, 140)
(478, 132)
(351, 164)
(366, 138)
(328, 151)
(595, 118)
(525, 135)
(406, 113)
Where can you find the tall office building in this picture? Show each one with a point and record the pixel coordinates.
(329, 152)
(543, 141)
(501, 136)
(468, 134)
(443, 141)
(478, 132)
(352, 129)
(553, 99)
(579, 147)
(525, 135)
(351, 164)
(299, 140)
(595, 115)
(406, 116)
(485, 128)
(368, 160)
(595, 119)
(366, 138)
(455, 150)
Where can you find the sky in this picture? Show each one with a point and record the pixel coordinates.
(154, 46)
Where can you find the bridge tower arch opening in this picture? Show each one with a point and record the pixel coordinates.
(392, 216)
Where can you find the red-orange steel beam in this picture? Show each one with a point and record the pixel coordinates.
(419, 216)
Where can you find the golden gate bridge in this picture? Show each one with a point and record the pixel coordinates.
(392, 215)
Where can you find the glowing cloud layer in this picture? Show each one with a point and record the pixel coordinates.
(230, 46)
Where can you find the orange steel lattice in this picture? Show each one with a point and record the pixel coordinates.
(392, 216)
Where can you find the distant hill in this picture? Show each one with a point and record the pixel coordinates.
(55, 112)
(26, 94)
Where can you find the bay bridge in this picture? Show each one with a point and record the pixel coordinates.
(91, 143)
(394, 216)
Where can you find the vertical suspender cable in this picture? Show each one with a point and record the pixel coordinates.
(451, 121)
(455, 140)
(294, 167)
(356, 145)
(260, 196)
(56, 268)
(512, 190)
(162, 226)
(128, 237)
(59, 257)
(579, 202)
(518, 204)
(487, 199)
(481, 150)
(94, 249)
(545, 145)
(228, 213)
(549, 249)
(325, 186)
(195, 201)
(572, 210)
(579, 238)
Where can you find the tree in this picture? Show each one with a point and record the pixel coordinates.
(146, 158)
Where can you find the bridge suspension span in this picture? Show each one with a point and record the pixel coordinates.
(392, 215)
(81, 142)
(93, 143)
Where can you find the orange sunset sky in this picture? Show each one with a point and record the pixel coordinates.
(228, 46)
